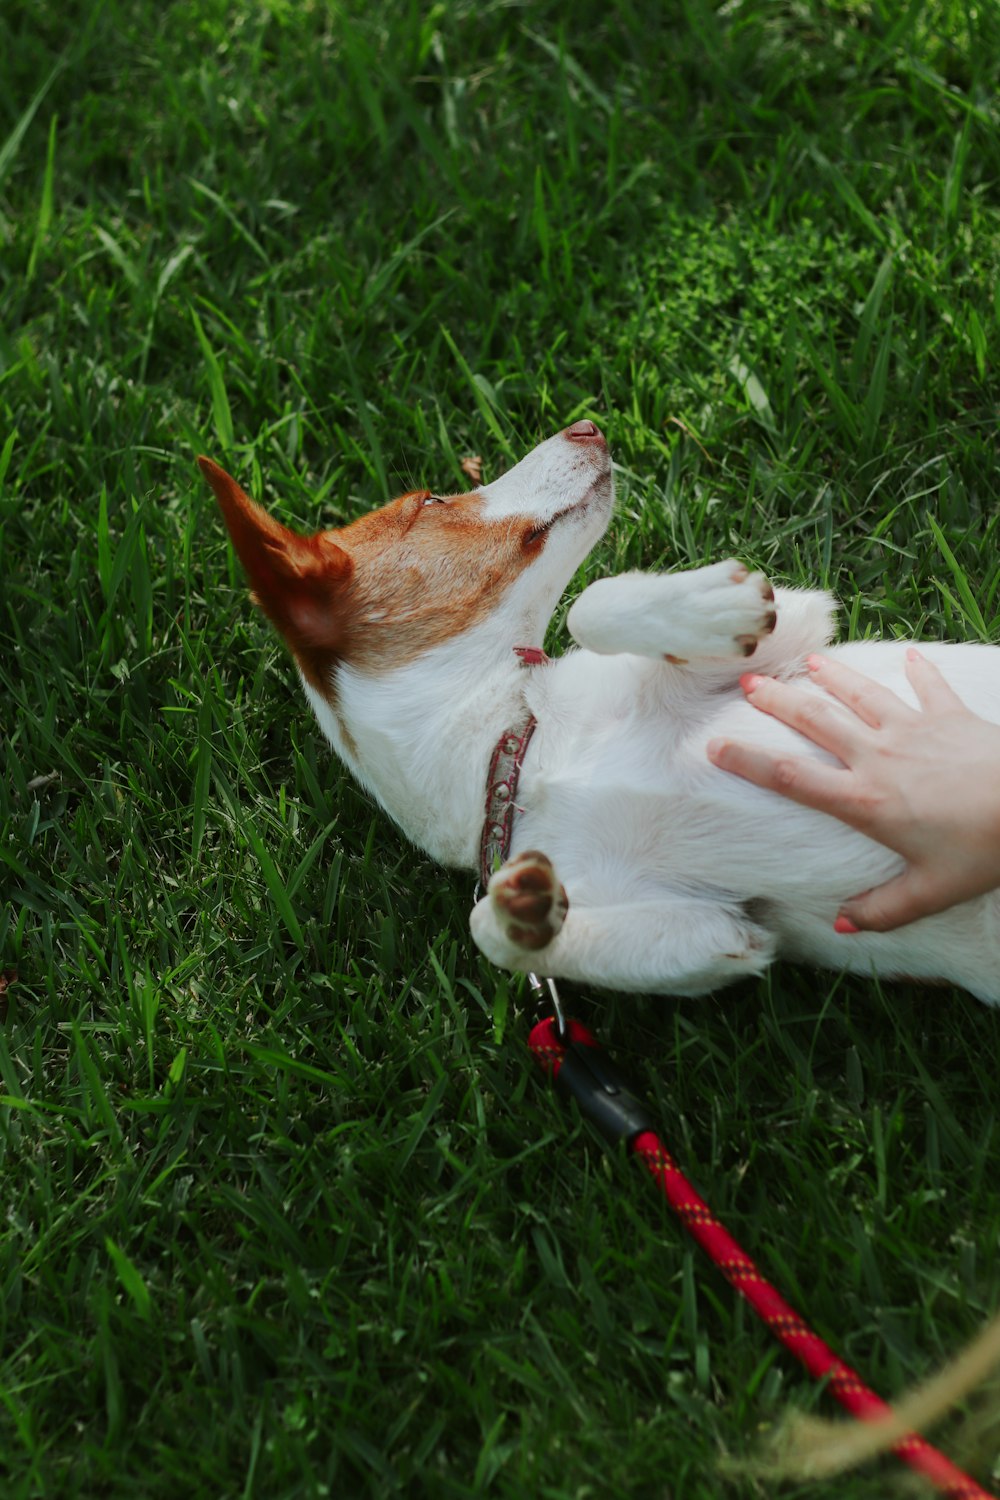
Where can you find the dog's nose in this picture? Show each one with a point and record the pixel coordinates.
(584, 432)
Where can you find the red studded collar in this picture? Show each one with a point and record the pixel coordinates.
(501, 791)
(502, 779)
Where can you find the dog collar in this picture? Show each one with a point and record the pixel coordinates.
(501, 782)
(501, 790)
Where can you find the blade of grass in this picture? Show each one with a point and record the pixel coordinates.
(221, 414)
(484, 395)
(275, 884)
(130, 1278)
(869, 317)
(11, 146)
(44, 221)
(970, 607)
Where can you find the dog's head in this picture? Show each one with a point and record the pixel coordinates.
(397, 583)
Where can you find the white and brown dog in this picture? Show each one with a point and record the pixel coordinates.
(658, 872)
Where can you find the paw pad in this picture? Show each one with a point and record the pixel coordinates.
(529, 901)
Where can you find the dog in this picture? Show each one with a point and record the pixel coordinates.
(610, 850)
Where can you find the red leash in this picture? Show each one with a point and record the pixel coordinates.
(570, 1055)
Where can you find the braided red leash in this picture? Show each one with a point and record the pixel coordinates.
(577, 1050)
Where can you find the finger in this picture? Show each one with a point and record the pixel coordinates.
(932, 691)
(874, 704)
(810, 713)
(904, 899)
(810, 782)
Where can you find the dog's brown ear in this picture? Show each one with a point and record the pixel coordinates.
(298, 581)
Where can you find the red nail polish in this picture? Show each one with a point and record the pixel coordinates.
(750, 681)
(844, 924)
(813, 663)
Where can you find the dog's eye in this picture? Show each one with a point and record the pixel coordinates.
(435, 500)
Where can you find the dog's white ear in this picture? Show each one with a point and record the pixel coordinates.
(298, 581)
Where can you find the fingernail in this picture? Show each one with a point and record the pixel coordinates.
(714, 749)
(844, 924)
(813, 663)
(750, 681)
(913, 654)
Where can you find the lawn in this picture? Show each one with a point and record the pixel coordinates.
(286, 1212)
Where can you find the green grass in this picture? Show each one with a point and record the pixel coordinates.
(285, 1212)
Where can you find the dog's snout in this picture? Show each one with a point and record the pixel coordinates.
(585, 432)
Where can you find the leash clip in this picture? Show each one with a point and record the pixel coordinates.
(544, 991)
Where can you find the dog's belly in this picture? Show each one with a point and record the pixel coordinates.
(627, 790)
(634, 812)
(617, 843)
(789, 868)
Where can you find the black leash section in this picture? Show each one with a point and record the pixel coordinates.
(601, 1090)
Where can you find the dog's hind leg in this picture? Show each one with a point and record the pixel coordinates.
(676, 945)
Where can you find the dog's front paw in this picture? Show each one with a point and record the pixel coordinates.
(719, 611)
(528, 902)
(731, 610)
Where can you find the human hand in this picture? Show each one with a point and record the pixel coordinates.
(925, 782)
